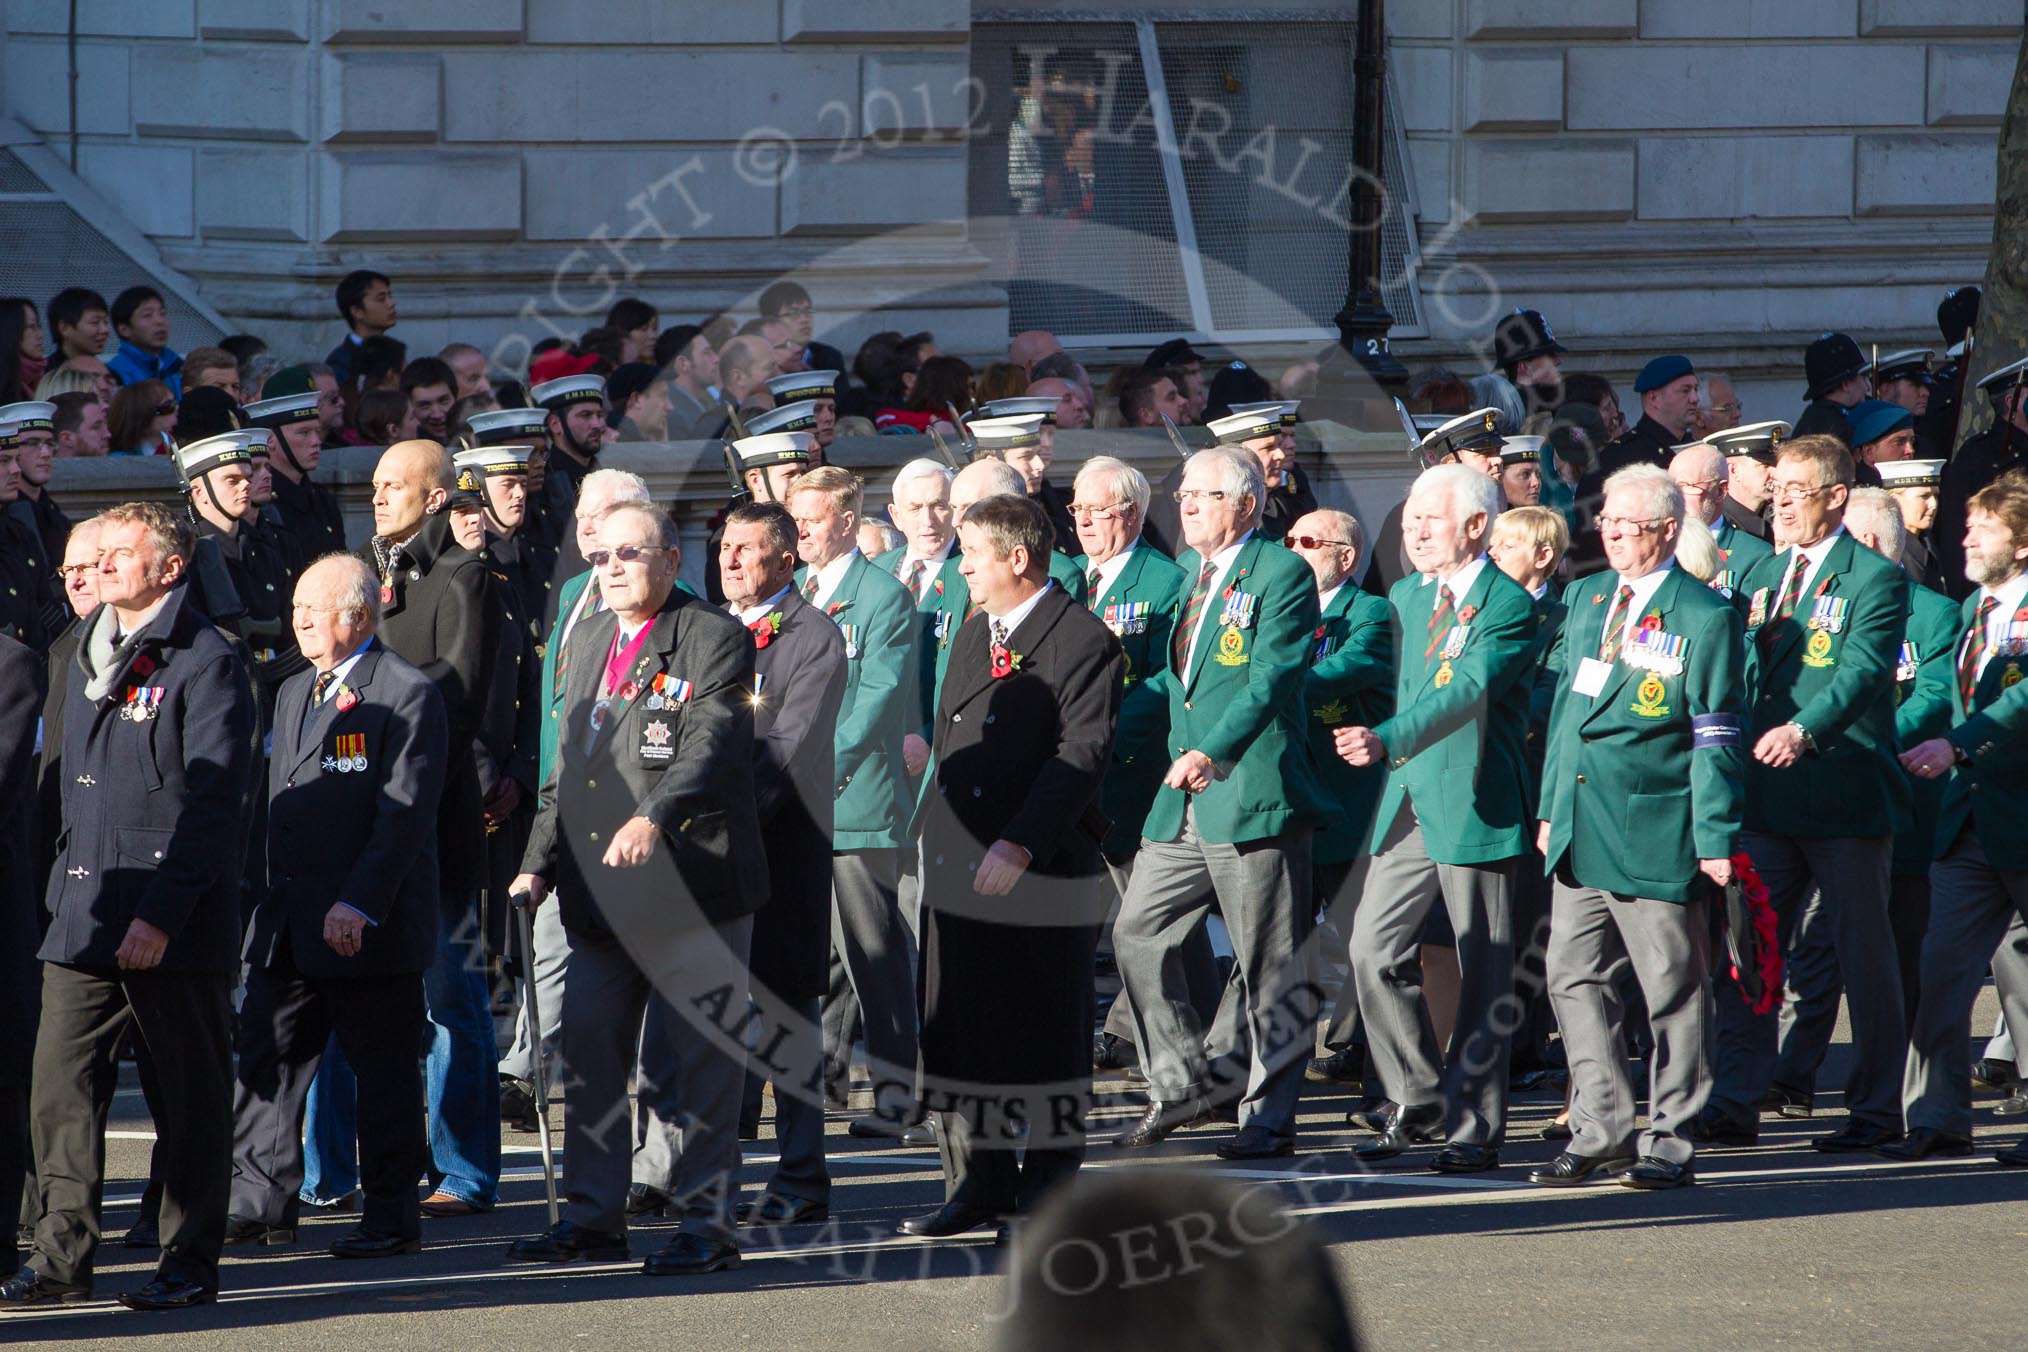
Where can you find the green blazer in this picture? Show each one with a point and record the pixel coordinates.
(552, 683)
(1738, 554)
(1242, 703)
(1550, 614)
(1140, 741)
(1351, 684)
(1647, 777)
(878, 618)
(1838, 684)
(1923, 683)
(1458, 750)
(943, 609)
(1988, 793)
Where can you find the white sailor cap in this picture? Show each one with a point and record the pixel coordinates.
(1910, 473)
(2006, 378)
(1288, 408)
(800, 416)
(488, 461)
(803, 385)
(290, 408)
(1248, 423)
(1007, 434)
(498, 425)
(557, 395)
(1521, 450)
(28, 415)
(775, 448)
(1760, 440)
(1478, 431)
(1018, 406)
(228, 448)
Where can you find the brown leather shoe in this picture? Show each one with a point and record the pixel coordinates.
(443, 1204)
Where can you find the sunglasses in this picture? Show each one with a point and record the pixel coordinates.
(166, 407)
(599, 558)
(1312, 542)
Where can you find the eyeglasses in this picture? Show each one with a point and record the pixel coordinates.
(70, 570)
(1730, 410)
(1312, 542)
(793, 312)
(1791, 493)
(599, 558)
(1097, 513)
(1625, 525)
(1700, 485)
(1199, 494)
(165, 408)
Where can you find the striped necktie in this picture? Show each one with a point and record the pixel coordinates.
(1440, 620)
(1616, 624)
(810, 589)
(911, 575)
(321, 687)
(1091, 588)
(1186, 632)
(1976, 646)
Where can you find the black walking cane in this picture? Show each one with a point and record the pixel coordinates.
(524, 906)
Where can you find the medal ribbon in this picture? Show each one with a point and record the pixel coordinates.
(618, 661)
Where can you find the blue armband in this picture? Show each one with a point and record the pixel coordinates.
(1708, 732)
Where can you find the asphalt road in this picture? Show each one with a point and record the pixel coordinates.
(1777, 1247)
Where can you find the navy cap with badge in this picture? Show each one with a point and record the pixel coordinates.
(1758, 441)
(1477, 431)
(1661, 371)
(1912, 364)
(2003, 381)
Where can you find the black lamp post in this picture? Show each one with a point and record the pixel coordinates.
(1364, 322)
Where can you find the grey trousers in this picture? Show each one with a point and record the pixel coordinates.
(1470, 1076)
(1339, 887)
(1971, 903)
(702, 972)
(2010, 978)
(1852, 875)
(873, 955)
(1262, 889)
(1667, 942)
(552, 964)
(1200, 972)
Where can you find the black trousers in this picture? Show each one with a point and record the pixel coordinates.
(284, 1024)
(184, 1017)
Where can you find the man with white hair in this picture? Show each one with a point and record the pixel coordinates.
(1232, 822)
(919, 505)
(1640, 814)
(1700, 472)
(1451, 824)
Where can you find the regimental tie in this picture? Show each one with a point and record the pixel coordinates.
(1091, 589)
(1792, 588)
(810, 588)
(911, 574)
(1440, 620)
(1976, 645)
(321, 687)
(1616, 625)
(1186, 632)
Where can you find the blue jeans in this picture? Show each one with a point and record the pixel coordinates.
(460, 1080)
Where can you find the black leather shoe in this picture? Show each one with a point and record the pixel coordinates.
(1466, 1159)
(952, 1218)
(1404, 1127)
(922, 1133)
(1925, 1143)
(1112, 1053)
(1783, 1101)
(1371, 1113)
(1995, 1073)
(1715, 1126)
(243, 1230)
(749, 1128)
(2014, 1105)
(2014, 1156)
(169, 1293)
(364, 1243)
(874, 1127)
(517, 1104)
(774, 1208)
(1257, 1143)
(1556, 1131)
(568, 1243)
(1340, 1067)
(1654, 1175)
(690, 1255)
(1856, 1137)
(1571, 1169)
(145, 1233)
(27, 1289)
(1158, 1123)
(643, 1200)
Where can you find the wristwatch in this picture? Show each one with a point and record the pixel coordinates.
(1803, 735)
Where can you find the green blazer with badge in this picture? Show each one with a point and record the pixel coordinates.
(1140, 610)
(1923, 681)
(1241, 702)
(1988, 792)
(877, 616)
(1457, 743)
(1828, 668)
(1645, 771)
(1350, 685)
(1738, 555)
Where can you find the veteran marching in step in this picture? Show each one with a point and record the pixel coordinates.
(1599, 748)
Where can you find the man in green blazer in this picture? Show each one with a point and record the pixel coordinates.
(1922, 684)
(1980, 880)
(1453, 819)
(1134, 589)
(1231, 824)
(1824, 626)
(872, 947)
(1351, 681)
(1642, 788)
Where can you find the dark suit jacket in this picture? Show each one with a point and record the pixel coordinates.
(1753, 523)
(795, 723)
(687, 767)
(21, 684)
(1006, 984)
(49, 774)
(363, 834)
(443, 621)
(153, 810)
(310, 512)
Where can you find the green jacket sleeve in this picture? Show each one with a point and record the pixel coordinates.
(1502, 651)
(1927, 710)
(1716, 688)
(886, 644)
(1286, 627)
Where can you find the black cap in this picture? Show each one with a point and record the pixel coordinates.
(1829, 362)
(1235, 383)
(206, 412)
(1522, 334)
(1175, 352)
(1958, 311)
(625, 382)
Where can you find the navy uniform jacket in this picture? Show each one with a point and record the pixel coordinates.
(152, 808)
(352, 807)
(21, 680)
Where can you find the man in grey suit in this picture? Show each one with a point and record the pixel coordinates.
(649, 834)
(349, 921)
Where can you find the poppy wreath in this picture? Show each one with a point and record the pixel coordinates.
(1766, 932)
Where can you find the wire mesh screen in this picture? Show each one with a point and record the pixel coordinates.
(45, 246)
(1066, 183)
(18, 177)
(1068, 193)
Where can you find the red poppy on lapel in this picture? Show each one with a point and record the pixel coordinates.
(1466, 615)
(765, 628)
(1005, 663)
(1319, 633)
(142, 665)
(1651, 622)
(629, 690)
(346, 700)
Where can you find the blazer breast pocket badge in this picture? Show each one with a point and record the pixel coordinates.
(1648, 697)
(658, 741)
(1817, 649)
(1231, 649)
